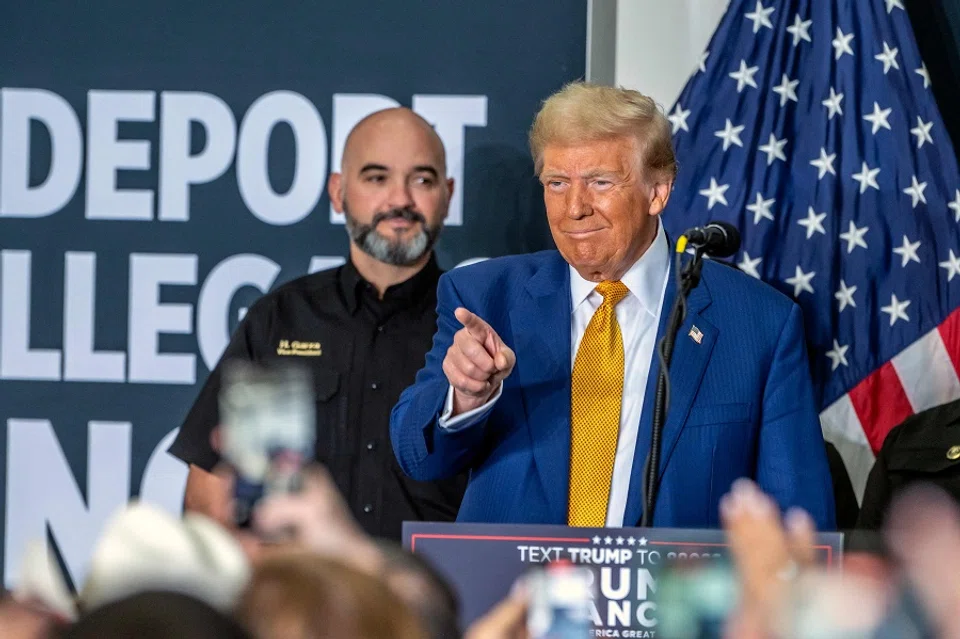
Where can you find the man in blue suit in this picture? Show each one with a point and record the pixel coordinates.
(542, 373)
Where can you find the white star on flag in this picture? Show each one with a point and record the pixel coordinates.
(800, 281)
(787, 89)
(761, 208)
(800, 30)
(631, 541)
(837, 355)
(744, 76)
(642, 541)
(730, 135)
(833, 104)
(955, 205)
(825, 163)
(915, 191)
(608, 540)
(774, 149)
(854, 237)
(888, 57)
(702, 66)
(813, 222)
(879, 118)
(922, 131)
(952, 264)
(867, 177)
(596, 540)
(896, 310)
(715, 193)
(619, 541)
(894, 4)
(845, 296)
(760, 17)
(923, 73)
(908, 252)
(842, 44)
(679, 118)
(749, 266)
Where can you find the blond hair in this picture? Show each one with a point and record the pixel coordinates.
(583, 112)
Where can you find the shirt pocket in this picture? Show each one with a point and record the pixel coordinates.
(718, 414)
(331, 414)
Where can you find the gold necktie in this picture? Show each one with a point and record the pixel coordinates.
(596, 394)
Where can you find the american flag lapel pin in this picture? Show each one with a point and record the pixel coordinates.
(696, 335)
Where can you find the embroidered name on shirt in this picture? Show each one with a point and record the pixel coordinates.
(301, 349)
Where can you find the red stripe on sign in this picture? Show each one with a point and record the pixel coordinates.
(950, 334)
(880, 403)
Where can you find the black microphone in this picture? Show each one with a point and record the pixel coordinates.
(717, 239)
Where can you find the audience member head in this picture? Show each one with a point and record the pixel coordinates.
(415, 580)
(305, 596)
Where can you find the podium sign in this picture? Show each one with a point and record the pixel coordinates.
(482, 561)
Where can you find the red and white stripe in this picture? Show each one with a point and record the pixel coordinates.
(923, 375)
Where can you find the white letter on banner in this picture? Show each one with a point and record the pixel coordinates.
(17, 108)
(149, 317)
(106, 154)
(449, 114)
(42, 492)
(324, 262)
(164, 478)
(81, 363)
(309, 177)
(226, 278)
(178, 168)
(348, 110)
(17, 359)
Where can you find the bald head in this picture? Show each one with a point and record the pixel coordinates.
(398, 125)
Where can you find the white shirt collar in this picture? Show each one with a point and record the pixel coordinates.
(644, 279)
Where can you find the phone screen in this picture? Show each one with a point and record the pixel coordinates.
(560, 596)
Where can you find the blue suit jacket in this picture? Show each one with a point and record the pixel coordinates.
(741, 401)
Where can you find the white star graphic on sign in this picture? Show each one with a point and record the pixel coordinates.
(730, 135)
(702, 67)
(923, 73)
(908, 252)
(800, 30)
(867, 177)
(837, 355)
(744, 76)
(608, 540)
(915, 191)
(760, 17)
(715, 193)
(679, 118)
(854, 237)
(833, 104)
(813, 222)
(952, 265)
(922, 131)
(749, 266)
(800, 281)
(774, 149)
(878, 118)
(896, 310)
(619, 541)
(631, 541)
(642, 541)
(888, 57)
(596, 540)
(825, 163)
(955, 205)
(845, 296)
(787, 89)
(842, 44)
(893, 4)
(761, 208)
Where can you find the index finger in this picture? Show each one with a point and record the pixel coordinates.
(473, 323)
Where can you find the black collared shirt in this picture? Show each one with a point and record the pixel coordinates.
(370, 351)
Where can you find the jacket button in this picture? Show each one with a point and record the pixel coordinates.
(953, 453)
(367, 508)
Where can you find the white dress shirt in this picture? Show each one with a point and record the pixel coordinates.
(638, 315)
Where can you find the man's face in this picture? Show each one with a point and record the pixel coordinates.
(393, 190)
(601, 211)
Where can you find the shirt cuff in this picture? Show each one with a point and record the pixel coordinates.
(469, 418)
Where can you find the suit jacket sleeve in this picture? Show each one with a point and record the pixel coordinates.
(424, 450)
(791, 461)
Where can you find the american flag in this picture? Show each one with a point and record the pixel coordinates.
(811, 126)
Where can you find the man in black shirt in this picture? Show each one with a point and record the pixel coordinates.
(364, 329)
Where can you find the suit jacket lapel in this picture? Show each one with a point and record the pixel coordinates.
(541, 333)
